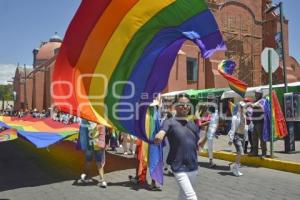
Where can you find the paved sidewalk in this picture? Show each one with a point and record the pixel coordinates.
(221, 144)
(212, 184)
(281, 161)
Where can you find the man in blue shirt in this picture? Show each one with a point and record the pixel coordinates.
(183, 136)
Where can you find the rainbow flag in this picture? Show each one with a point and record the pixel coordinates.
(280, 128)
(226, 68)
(116, 51)
(232, 108)
(8, 135)
(41, 132)
(155, 152)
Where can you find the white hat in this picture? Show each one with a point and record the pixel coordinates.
(155, 103)
(242, 104)
(259, 90)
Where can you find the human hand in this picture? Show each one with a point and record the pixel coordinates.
(157, 140)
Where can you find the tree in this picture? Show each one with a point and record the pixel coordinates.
(6, 93)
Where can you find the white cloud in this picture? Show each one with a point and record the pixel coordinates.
(7, 71)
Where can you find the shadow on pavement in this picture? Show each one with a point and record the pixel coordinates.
(292, 152)
(23, 165)
(217, 167)
(226, 173)
(91, 183)
(133, 186)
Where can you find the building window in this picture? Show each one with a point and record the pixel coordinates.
(293, 67)
(192, 69)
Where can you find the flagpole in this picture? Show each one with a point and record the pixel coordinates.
(270, 95)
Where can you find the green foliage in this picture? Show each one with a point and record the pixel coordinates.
(6, 92)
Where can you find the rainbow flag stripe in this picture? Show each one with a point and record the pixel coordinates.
(226, 68)
(115, 51)
(40, 132)
(8, 135)
(232, 108)
(280, 128)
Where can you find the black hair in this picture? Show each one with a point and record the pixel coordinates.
(181, 95)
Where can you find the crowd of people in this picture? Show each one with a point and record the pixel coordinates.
(51, 112)
(182, 136)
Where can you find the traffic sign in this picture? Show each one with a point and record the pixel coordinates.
(274, 59)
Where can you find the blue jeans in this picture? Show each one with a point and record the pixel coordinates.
(99, 156)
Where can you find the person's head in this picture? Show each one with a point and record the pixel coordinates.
(182, 105)
(258, 93)
(242, 107)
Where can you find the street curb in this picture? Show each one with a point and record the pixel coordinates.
(270, 163)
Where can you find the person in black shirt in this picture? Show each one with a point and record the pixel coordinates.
(184, 139)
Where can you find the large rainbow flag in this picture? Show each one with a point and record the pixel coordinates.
(226, 68)
(117, 54)
(41, 132)
(280, 128)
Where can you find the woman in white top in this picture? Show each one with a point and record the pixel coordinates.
(237, 134)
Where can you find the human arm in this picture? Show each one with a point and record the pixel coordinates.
(204, 124)
(159, 137)
(231, 133)
(163, 131)
(202, 141)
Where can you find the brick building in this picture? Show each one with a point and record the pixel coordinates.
(246, 29)
(38, 80)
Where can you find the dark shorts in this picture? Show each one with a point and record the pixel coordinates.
(238, 142)
(99, 156)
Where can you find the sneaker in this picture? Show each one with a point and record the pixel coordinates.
(240, 173)
(264, 155)
(154, 188)
(234, 170)
(85, 179)
(102, 184)
(133, 179)
(212, 165)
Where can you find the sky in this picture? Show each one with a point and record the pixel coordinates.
(24, 24)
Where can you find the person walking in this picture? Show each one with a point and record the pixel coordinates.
(92, 141)
(184, 139)
(237, 134)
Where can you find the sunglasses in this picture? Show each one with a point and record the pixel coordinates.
(183, 104)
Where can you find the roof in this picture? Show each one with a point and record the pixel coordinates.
(251, 90)
(21, 70)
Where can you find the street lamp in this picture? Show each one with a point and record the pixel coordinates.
(289, 142)
(271, 9)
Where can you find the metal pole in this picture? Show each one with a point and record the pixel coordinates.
(25, 87)
(283, 49)
(270, 94)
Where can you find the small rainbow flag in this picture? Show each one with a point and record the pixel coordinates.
(151, 155)
(226, 68)
(41, 132)
(232, 108)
